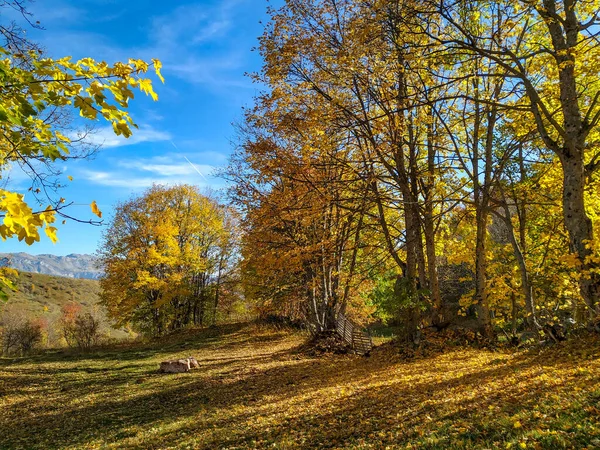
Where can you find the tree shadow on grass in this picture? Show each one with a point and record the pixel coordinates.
(270, 397)
(454, 413)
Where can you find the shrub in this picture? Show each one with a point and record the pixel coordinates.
(20, 335)
(79, 329)
(86, 330)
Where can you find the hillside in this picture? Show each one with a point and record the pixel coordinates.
(71, 266)
(43, 296)
(255, 390)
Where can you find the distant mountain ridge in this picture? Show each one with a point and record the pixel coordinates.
(71, 266)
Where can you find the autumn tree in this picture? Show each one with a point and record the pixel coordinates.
(445, 121)
(165, 255)
(303, 243)
(546, 50)
(349, 66)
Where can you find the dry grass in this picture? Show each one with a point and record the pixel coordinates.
(44, 295)
(254, 391)
(41, 296)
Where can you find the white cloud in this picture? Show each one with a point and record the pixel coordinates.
(212, 71)
(107, 138)
(177, 35)
(14, 177)
(120, 180)
(136, 173)
(60, 14)
(167, 166)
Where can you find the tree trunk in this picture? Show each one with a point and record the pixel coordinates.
(410, 316)
(579, 226)
(526, 285)
(565, 38)
(217, 290)
(514, 311)
(429, 230)
(434, 283)
(481, 300)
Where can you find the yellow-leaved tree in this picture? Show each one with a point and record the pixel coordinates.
(168, 257)
(33, 87)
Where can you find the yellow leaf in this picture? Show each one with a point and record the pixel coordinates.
(61, 136)
(51, 233)
(95, 209)
(146, 87)
(86, 108)
(121, 128)
(157, 67)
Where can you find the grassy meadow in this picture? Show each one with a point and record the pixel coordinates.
(255, 389)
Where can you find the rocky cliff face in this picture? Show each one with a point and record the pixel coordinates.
(72, 266)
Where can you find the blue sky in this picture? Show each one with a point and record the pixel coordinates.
(205, 47)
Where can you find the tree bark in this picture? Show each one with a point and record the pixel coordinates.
(579, 226)
(429, 230)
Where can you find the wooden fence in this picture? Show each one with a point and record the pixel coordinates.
(358, 338)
